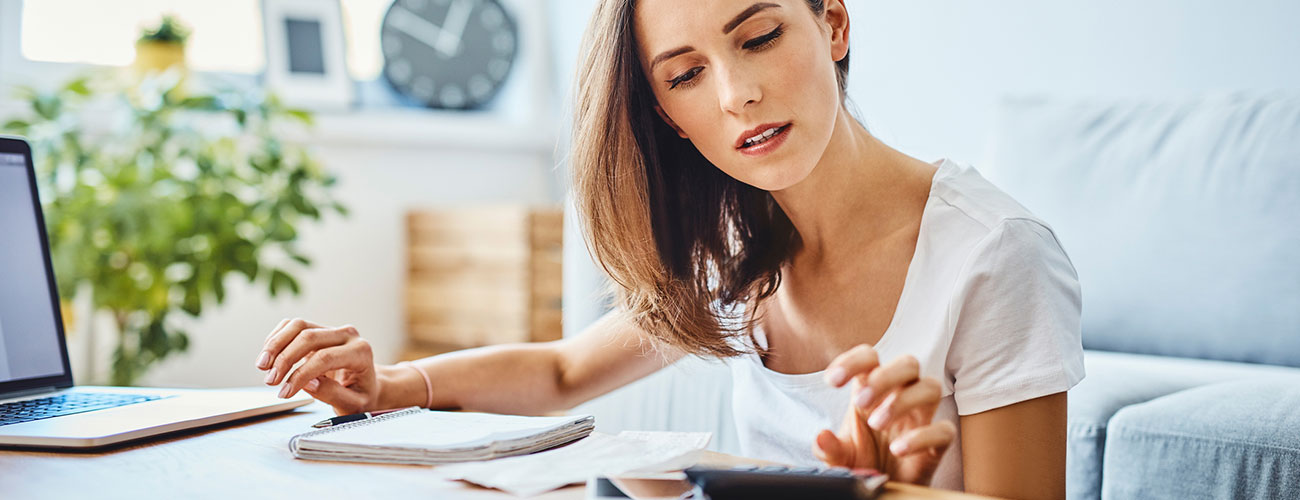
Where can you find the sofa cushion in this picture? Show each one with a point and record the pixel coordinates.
(1178, 215)
(1227, 440)
(1117, 380)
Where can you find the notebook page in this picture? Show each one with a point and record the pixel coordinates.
(444, 430)
(596, 455)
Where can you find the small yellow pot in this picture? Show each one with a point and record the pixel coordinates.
(152, 56)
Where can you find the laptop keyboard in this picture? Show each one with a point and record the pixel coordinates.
(65, 404)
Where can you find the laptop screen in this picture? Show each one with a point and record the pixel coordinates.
(29, 337)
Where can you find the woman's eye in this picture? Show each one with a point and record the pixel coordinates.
(685, 78)
(762, 42)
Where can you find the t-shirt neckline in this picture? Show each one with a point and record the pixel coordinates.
(805, 379)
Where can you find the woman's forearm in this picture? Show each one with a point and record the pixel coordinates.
(528, 378)
(513, 378)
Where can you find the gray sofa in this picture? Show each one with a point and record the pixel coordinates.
(1182, 218)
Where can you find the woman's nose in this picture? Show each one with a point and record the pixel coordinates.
(737, 89)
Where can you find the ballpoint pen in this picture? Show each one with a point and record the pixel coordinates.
(343, 419)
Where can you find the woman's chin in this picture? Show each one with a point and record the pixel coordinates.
(774, 177)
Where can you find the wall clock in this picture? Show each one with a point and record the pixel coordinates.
(451, 54)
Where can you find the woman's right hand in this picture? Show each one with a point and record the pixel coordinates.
(337, 365)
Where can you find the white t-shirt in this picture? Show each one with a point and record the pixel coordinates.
(990, 307)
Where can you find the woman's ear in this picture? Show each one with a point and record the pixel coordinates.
(659, 109)
(837, 16)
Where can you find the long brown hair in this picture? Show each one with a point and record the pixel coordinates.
(686, 245)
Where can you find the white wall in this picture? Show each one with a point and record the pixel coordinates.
(927, 75)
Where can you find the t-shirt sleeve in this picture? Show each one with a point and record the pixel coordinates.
(1016, 316)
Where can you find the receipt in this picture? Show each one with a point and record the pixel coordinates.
(629, 453)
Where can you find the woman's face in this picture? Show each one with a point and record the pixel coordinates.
(751, 84)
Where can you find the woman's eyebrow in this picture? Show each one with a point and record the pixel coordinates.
(740, 18)
(669, 54)
(731, 25)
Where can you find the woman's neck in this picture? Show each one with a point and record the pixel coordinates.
(860, 192)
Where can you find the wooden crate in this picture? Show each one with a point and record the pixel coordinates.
(480, 276)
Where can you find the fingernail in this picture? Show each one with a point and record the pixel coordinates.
(311, 386)
(270, 376)
(284, 391)
(864, 398)
(264, 360)
(898, 447)
(836, 376)
(878, 419)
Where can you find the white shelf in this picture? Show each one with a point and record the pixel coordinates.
(429, 128)
(396, 128)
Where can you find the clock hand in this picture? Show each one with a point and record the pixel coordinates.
(457, 16)
(418, 28)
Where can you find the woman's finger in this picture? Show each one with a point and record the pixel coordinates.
(283, 336)
(304, 343)
(264, 358)
(344, 401)
(860, 360)
(355, 355)
(830, 450)
(921, 397)
(892, 375)
(933, 439)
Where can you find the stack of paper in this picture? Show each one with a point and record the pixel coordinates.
(640, 454)
(417, 436)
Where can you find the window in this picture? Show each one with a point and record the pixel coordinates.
(227, 34)
(361, 21)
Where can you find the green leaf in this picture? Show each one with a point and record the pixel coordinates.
(301, 115)
(278, 282)
(281, 280)
(293, 285)
(17, 126)
(180, 341)
(79, 86)
(47, 106)
(155, 340)
(219, 289)
(193, 303)
(203, 102)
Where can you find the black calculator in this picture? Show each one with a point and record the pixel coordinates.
(771, 483)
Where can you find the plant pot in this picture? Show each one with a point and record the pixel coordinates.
(153, 57)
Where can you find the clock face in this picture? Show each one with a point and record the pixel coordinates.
(448, 53)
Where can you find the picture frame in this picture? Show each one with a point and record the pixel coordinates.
(306, 62)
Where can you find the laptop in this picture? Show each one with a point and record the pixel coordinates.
(39, 406)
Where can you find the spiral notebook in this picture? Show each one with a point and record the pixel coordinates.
(419, 436)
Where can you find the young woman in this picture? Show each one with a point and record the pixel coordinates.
(742, 213)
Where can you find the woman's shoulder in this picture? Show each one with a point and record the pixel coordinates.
(965, 205)
(978, 221)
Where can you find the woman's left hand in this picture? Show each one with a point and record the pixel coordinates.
(888, 426)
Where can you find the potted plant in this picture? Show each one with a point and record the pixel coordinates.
(162, 47)
(149, 217)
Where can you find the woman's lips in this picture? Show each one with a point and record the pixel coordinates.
(769, 145)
